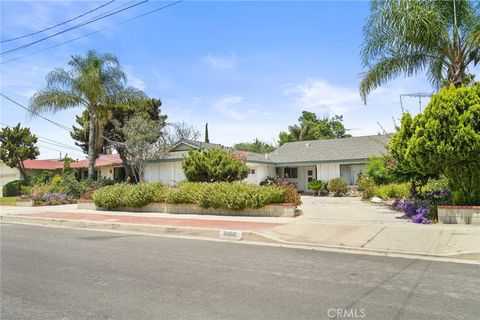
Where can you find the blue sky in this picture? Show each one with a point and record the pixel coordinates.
(247, 68)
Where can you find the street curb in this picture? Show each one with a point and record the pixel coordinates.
(131, 227)
(251, 237)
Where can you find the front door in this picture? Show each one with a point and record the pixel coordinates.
(309, 176)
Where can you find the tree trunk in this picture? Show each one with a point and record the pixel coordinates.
(129, 175)
(23, 171)
(91, 145)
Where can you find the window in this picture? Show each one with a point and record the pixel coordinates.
(252, 171)
(310, 179)
(290, 173)
(310, 173)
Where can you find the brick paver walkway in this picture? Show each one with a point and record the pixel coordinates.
(174, 222)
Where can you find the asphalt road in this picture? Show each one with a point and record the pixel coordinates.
(52, 273)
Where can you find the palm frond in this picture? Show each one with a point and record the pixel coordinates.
(389, 68)
(54, 100)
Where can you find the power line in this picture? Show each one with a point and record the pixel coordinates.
(92, 33)
(75, 154)
(59, 24)
(36, 113)
(43, 140)
(49, 141)
(73, 27)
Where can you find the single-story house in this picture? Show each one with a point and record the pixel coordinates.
(107, 166)
(299, 162)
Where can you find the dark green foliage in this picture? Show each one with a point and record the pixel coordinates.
(17, 145)
(207, 140)
(312, 128)
(338, 187)
(13, 188)
(216, 165)
(445, 139)
(256, 146)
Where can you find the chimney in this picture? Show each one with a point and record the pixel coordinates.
(60, 155)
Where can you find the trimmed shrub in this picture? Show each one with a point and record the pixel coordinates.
(13, 188)
(366, 186)
(215, 165)
(186, 192)
(338, 187)
(393, 190)
(110, 197)
(232, 196)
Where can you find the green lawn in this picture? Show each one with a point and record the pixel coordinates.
(8, 201)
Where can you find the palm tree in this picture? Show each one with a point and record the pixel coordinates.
(95, 82)
(406, 37)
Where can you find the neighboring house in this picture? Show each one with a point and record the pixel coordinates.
(107, 166)
(33, 168)
(299, 162)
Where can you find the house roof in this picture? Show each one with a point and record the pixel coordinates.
(343, 149)
(43, 164)
(197, 144)
(102, 161)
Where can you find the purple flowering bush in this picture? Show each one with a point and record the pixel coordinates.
(416, 211)
(52, 198)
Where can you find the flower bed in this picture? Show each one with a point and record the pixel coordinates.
(416, 212)
(220, 197)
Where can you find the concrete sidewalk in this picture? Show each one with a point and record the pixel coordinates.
(327, 223)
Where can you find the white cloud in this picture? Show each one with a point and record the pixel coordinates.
(322, 96)
(231, 107)
(220, 62)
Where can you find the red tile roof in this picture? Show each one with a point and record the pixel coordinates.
(101, 161)
(43, 164)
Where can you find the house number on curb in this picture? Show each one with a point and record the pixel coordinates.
(231, 234)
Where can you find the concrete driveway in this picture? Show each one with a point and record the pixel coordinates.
(351, 223)
(347, 209)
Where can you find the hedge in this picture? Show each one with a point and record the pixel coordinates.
(231, 196)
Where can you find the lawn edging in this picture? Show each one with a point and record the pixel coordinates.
(270, 210)
(459, 214)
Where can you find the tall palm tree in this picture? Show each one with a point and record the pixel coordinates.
(439, 37)
(95, 82)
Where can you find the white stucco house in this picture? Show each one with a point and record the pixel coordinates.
(300, 162)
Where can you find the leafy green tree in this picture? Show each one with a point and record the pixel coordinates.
(256, 146)
(214, 166)
(95, 82)
(120, 115)
(81, 133)
(405, 37)
(18, 145)
(378, 170)
(445, 139)
(143, 141)
(310, 127)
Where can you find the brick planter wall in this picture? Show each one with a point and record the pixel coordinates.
(24, 203)
(86, 204)
(459, 214)
(272, 210)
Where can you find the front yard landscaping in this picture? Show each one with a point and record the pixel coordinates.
(235, 196)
